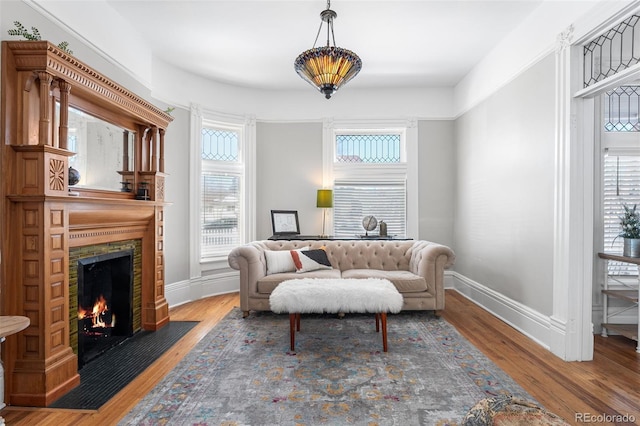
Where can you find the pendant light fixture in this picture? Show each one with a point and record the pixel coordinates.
(330, 67)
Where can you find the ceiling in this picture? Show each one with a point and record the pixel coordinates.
(418, 43)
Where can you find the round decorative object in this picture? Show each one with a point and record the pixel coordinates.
(74, 176)
(369, 223)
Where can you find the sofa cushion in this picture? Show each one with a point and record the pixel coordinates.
(405, 281)
(310, 260)
(279, 261)
(268, 283)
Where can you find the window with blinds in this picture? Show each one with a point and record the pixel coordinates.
(621, 186)
(352, 201)
(221, 192)
(369, 179)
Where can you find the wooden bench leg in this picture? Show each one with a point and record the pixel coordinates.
(293, 319)
(383, 316)
(294, 324)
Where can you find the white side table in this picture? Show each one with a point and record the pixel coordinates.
(9, 325)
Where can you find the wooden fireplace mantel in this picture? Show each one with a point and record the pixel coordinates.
(40, 219)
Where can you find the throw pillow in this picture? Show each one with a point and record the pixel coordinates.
(310, 260)
(280, 261)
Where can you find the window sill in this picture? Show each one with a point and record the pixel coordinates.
(214, 263)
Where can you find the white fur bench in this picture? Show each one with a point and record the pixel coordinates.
(318, 295)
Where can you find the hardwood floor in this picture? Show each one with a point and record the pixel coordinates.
(576, 391)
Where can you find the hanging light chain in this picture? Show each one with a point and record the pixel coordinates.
(330, 24)
(327, 16)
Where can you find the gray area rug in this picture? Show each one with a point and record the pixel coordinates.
(243, 373)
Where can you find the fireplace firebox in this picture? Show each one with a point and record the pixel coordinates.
(105, 303)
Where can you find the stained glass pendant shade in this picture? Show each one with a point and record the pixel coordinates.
(327, 68)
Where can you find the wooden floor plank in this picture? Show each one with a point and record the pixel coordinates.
(609, 384)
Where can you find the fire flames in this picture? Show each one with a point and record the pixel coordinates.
(97, 314)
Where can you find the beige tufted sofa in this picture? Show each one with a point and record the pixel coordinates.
(416, 268)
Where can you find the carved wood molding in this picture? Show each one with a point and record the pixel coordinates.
(160, 188)
(56, 174)
(45, 56)
(80, 238)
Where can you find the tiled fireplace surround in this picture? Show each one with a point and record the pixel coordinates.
(79, 253)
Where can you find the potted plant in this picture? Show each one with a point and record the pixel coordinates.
(630, 223)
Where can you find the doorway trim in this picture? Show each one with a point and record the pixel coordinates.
(574, 198)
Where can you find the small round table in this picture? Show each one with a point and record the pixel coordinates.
(12, 324)
(9, 325)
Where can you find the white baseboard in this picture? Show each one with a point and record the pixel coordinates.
(186, 291)
(527, 321)
(178, 293)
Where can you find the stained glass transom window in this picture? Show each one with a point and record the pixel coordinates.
(621, 108)
(220, 145)
(370, 148)
(615, 50)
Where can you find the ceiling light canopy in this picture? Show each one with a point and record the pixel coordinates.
(327, 68)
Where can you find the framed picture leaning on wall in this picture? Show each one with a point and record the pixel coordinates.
(285, 222)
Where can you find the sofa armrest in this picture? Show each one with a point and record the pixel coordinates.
(249, 260)
(429, 260)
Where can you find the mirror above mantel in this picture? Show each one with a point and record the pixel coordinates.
(103, 151)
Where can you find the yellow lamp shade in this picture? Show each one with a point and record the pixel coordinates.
(325, 198)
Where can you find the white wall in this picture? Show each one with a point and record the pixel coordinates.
(527, 44)
(505, 189)
(289, 171)
(55, 31)
(97, 28)
(177, 217)
(436, 177)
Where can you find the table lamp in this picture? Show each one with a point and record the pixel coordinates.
(324, 201)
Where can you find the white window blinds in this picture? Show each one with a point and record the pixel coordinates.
(220, 213)
(221, 191)
(621, 186)
(352, 201)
